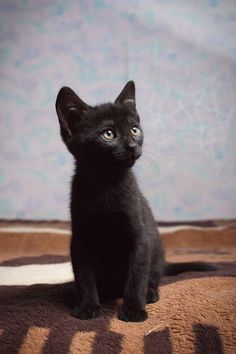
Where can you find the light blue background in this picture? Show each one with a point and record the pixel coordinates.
(182, 56)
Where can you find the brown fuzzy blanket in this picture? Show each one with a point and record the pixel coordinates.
(195, 314)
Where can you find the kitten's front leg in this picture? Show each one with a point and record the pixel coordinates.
(87, 305)
(133, 309)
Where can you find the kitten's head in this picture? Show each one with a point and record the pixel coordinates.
(107, 134)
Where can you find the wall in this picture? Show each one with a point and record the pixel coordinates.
(182, 56)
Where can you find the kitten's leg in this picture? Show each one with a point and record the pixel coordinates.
(152, 292)
(87, 305)
(133, 308)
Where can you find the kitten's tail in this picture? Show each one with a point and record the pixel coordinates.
(176, 268)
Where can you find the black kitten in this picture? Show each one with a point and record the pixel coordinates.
(116, 249)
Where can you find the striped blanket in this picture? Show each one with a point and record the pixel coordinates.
(195, 313)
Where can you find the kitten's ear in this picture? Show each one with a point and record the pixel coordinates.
(127, 96)
(69, 109)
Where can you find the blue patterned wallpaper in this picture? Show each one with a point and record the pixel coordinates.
(182, 56)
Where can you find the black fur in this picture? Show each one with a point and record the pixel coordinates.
(116, 249)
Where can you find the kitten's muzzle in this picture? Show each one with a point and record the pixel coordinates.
(133, 150)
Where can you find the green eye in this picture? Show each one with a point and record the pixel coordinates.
(136, 131)
(108, 134)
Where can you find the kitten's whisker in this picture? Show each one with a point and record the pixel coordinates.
(156, 156)
(149, 159)
(151, 153)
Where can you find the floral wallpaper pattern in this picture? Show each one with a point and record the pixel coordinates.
(182, 56)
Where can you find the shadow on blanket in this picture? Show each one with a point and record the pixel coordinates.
(195, 313)
(46, 309)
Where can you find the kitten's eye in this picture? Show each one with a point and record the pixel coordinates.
(108, 134)
(136, 131)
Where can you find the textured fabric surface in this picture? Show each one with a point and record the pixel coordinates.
(195, 313)
(182, 56)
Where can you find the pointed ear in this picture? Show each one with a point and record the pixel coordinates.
(127, 96)
(69, 109)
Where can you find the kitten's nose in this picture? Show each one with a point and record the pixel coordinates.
(131, 145)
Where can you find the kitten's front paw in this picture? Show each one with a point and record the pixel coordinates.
(152, 296)
(86, 312)
(132, 315)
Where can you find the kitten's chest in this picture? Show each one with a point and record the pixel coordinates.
(110, 225)
(112, 241)
(101, 198)
(109, 232)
